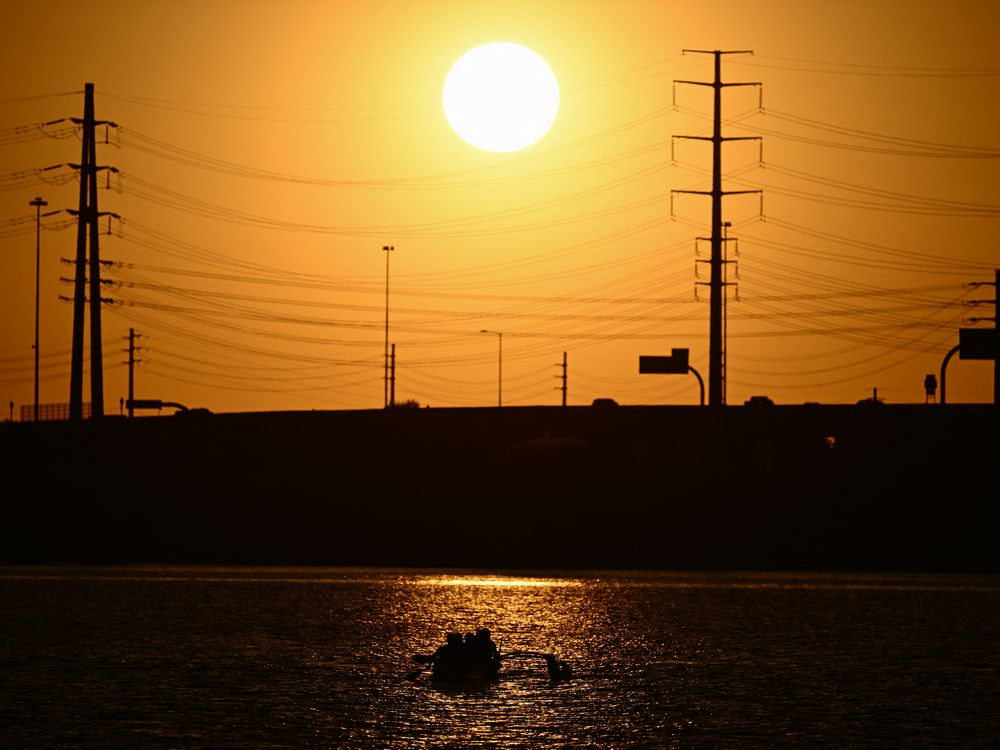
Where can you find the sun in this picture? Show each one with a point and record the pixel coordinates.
(501, 97)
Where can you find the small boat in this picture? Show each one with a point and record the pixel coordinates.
(463, 664)
(470, 668)
(474, 660)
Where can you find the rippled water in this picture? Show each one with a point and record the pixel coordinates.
(267, 658)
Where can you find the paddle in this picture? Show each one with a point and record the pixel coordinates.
(557, 669)
(521, 654)
(428, 662)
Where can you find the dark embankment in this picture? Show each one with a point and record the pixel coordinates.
(878, 488)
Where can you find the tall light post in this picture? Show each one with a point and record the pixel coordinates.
(499, 335)
(37, 203)
(386, 249)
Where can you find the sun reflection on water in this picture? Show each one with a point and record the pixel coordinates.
(496, 581)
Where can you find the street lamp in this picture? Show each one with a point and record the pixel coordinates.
(499, 335)
(37, 203)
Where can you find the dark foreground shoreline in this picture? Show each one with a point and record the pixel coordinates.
(875, 487)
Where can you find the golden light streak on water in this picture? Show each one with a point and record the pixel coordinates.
(497, 581)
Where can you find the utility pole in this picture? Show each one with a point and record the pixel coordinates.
(87, 217)
(499, 335)
(392, 379)
(96, 345)
(132, 362)
(37, 203)
(716, 342)
(993, 349)
(726, 283)
(386, 249)
(80, 282)
(564, 379)
(977, 343)
(996, 337)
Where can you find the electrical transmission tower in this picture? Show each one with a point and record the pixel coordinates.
(87, 223)
(716, 338)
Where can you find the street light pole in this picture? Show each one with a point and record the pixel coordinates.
(386, 249)
(37, 203)
(499, 335)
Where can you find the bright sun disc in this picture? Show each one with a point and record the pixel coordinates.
(501, 97)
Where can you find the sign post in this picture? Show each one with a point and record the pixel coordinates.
(676, 364)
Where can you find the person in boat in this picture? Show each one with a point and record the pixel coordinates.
(483, 636)
(452, 649)
(558, 669)
(486, 646)
(465, 659)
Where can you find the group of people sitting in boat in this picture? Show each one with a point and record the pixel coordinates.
(474, 657)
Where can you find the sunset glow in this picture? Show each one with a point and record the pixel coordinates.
(251, 175)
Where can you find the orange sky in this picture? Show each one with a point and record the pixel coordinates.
(269, 151)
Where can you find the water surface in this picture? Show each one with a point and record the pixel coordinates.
(192, 657)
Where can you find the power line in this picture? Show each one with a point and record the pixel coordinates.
(861, 69)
